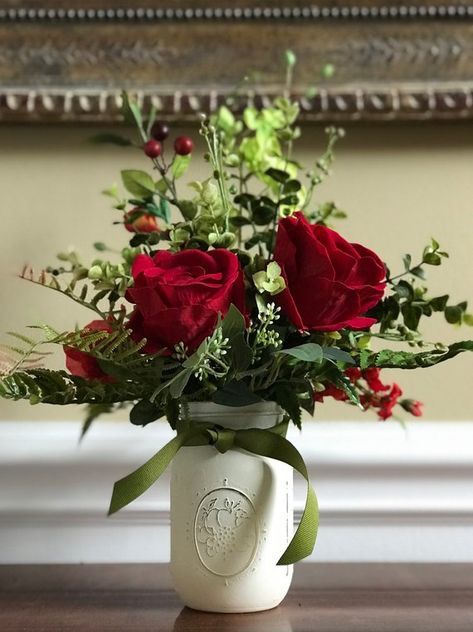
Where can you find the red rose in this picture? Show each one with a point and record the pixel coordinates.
(178, 296)
(83, 364)
(330, 283)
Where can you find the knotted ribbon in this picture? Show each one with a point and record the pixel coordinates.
(270, 442)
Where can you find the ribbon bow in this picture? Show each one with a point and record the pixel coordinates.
(269, 442)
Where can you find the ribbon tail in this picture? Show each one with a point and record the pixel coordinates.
(268, 444)
(130, 487)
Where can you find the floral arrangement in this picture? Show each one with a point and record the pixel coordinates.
(248, 295)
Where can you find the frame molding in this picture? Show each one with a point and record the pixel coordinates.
(448, 11)
(63, 63)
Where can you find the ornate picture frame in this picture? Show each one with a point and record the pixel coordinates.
(68, 61)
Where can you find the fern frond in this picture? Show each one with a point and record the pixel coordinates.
(14, 358)
(49, 331)
(60, 388)
(22, 337)
(50, 281)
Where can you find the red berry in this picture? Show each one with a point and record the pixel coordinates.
(183, 145)
(160, 131)
(152, 148)
(137, 221)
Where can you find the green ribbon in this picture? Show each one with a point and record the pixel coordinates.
(270, 443)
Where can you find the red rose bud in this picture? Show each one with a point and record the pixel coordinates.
(137, 221)
(183, 145)
(330, 282)
(84, 365)
(413, 406)
(152, 148)
(160, 131)
(179, 296)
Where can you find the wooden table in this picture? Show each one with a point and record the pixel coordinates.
(324, 598)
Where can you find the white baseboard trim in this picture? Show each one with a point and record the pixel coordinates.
(386, 494)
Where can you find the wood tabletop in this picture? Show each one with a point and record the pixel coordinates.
(324, 598)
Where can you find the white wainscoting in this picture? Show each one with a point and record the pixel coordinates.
(386, 493)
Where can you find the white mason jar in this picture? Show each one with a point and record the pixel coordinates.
(231, 518)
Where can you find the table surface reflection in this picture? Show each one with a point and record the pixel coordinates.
(341, 597)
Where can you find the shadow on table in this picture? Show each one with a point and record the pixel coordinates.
(275, 620)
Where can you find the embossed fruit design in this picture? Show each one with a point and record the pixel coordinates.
(226, 532)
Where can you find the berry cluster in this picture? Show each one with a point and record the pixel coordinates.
(153, 148)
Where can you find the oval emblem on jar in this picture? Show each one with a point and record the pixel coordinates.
(226, 531)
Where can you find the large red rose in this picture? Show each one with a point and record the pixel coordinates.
(83, 364)
(330, 282)
(179, 296)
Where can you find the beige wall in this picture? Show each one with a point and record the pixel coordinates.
(400, 185)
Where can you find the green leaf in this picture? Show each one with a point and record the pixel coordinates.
(144, 412)
(93, 412)
(453, 314)
(233, 323)
(178, 384)
(180, 165)
(292, 186)
(418, 272)
(468, 319)
(111, 139)
(404, 290)
(308, 352)
(289, 200)
(241, 353)
(345, 384)
(262, 215)
(412, 315)
(233, 328)
(138, 182)
(337, 355)
(235, 393)
(277, 174)
(132, 113)
(188, 209)
(439, 303)
(238, 221)
(250, 117)
(286, 397)
(432, 259)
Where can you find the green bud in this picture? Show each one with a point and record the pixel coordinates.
(95, 273)
(290, 58)
(328, 71)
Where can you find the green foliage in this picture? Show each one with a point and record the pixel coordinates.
(145, 412)
(308, 352)
(138, 183)
(253, 180)
(390, 359)
(60, 388)
(180, 165)
(94, 411)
